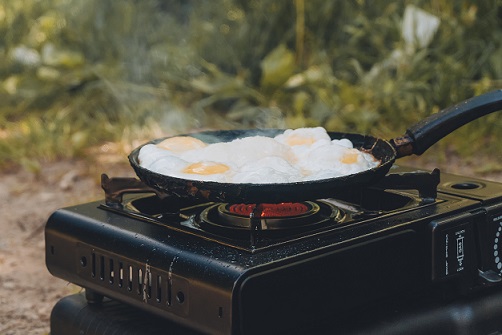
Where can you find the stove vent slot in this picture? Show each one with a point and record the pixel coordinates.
(169, 291)
(102, 267)
(93, 265)
(128, 278)
(121, 274)
(139, 287)
(111, 272)
(159, 289)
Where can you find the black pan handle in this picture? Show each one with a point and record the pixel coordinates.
(430, 130)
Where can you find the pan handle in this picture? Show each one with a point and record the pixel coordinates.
(427, 132)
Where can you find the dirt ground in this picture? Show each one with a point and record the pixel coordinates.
(27, 290)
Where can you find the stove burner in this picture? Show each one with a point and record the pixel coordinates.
(284, 209)
(291, 217)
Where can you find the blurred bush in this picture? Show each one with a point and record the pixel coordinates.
(74, 74)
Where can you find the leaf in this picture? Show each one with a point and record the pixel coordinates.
(277, 67)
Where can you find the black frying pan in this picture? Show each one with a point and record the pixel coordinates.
(417, 140)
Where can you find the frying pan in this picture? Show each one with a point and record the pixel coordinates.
(417, 139)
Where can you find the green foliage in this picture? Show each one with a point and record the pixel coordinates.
(74, 74)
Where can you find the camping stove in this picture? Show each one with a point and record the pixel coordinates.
(413, 239)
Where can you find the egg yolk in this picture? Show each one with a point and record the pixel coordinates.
(349, 158)
(299, 140)
(206, 168)
(181, 143)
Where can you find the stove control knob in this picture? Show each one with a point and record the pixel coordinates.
(454, 251)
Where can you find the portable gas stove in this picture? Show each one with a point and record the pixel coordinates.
(415, 241)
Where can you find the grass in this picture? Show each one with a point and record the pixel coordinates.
(76, 74)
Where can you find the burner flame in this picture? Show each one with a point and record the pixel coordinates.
(284, 209)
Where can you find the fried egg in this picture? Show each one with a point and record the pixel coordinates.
(302, 154)
(150, 153)
(166, 164)
(239, 152)
(272, 169)
(335, 159)
(181, 144)
(206, 168)
(203, 171)
(303, 140)
(303, 136)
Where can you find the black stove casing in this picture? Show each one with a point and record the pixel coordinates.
(205, 284)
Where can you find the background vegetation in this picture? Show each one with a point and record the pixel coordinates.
(76, 74)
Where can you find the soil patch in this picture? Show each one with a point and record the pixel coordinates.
(27, 290)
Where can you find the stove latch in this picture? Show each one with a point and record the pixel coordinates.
(489, 278)
(454, 252)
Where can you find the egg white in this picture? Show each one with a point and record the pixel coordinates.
(167, 165)
(303, 136)
(150, 153)
(272, 169)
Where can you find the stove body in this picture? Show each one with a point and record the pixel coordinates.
(174, 259)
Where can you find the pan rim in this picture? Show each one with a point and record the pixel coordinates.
(133, 159)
